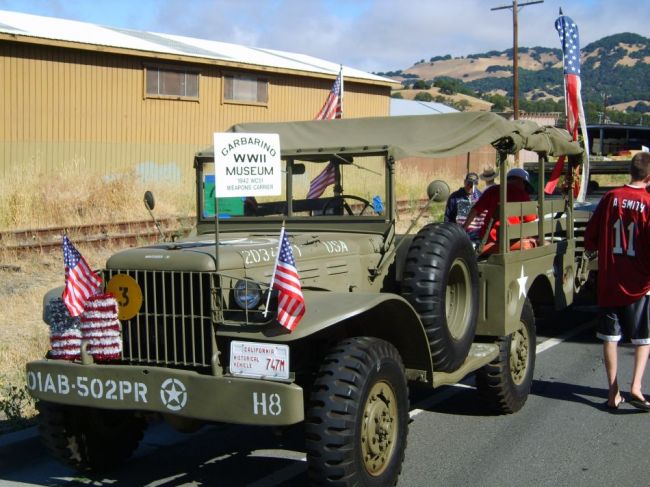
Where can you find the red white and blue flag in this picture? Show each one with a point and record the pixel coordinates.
(318, 185)
(575, 115)
(333, 106)
(291, 302)
(81, 282)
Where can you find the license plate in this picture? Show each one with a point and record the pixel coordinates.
(259, 360)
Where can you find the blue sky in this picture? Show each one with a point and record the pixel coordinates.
(373, 35)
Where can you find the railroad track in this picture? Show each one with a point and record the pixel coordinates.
(116, 233)
(122, 233)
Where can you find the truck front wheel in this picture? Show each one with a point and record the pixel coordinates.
(505, 382)
(357, 418)
(89, 438)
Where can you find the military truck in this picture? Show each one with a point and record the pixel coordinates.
(384, 309)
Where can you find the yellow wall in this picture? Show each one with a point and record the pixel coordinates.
(87, 110)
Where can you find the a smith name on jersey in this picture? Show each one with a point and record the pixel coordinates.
(635, 205)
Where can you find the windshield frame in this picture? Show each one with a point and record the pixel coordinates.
(364, 223)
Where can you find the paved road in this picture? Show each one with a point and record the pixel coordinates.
(563, 436)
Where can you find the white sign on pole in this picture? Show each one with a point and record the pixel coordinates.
(247, 164)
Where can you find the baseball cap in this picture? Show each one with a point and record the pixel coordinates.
(517, 172)
(471, 177)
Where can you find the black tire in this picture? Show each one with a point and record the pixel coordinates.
(89, 439)
(357, 417)
(441, 282)
(505, 382)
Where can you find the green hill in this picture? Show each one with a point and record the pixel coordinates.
(614, 72)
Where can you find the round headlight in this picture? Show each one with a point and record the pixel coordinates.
(247, 294)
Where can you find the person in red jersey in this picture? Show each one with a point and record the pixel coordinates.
(620, 231)
(484, 210)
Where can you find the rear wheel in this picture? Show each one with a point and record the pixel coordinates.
(505, 382)
(357, 419)
(89, 438)
(441, 283)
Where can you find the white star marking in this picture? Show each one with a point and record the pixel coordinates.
(173, 394)
(522, 283)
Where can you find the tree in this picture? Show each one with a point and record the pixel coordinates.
(499, 102)
(461, 105)
(421, 85)
(423, 96)
(397, 94)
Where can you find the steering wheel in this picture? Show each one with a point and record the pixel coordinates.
(340, 199)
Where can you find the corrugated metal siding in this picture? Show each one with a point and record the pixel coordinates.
(66, 107)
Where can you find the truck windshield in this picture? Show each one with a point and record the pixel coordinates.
(351, 187)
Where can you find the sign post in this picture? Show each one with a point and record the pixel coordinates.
(245, 165)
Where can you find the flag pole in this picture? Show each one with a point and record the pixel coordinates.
(341, 78)
(275, 267)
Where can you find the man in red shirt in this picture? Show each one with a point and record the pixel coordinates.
(620, 231)
(519, 189)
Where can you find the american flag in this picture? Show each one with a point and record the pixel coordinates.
(81, 282)
(291, 302)
(333, 106)
(318, 185)
(575, 116)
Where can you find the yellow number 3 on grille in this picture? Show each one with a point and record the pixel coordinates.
(128, 294)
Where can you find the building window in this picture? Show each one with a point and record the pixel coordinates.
(245, 89)
(172, 82)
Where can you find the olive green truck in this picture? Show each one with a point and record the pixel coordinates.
(200, 337)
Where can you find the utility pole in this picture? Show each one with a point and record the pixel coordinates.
(515, 51)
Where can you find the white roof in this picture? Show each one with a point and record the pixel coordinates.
(413, 107)
(92, 34)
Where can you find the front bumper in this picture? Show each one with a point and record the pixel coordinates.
(167, 391)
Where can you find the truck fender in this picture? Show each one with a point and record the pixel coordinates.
(384, 315)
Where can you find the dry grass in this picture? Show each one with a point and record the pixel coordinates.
(73, 197)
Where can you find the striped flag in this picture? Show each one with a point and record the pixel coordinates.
(575, 115)
(81, 282)
(318, 185)
(333, 106)
(291, 302)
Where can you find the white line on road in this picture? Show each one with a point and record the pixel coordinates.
(551, 342)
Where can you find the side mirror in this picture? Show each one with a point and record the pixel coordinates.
(438, 190)
(149, 201)
(297, 169)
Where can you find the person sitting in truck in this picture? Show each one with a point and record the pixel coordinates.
(484, 211)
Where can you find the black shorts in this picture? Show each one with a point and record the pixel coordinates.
(631, 321)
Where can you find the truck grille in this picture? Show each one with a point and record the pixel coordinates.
(174, 324)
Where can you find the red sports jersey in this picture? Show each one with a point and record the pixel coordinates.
(487, 204)
(620, 230)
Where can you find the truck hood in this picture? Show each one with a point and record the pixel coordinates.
(245, 251)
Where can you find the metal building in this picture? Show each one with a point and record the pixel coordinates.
(113, 100)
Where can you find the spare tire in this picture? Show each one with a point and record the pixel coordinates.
(441, 282)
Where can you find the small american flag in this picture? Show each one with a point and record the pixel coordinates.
(81, 282)
(333, 106)
(575, 116)
(291, 302)
(318, 185)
